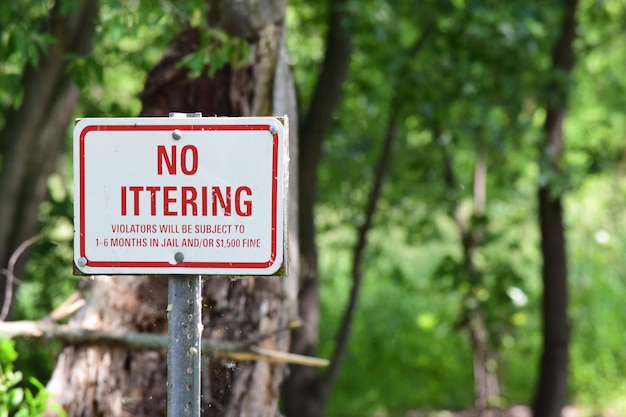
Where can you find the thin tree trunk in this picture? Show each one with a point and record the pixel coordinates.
(323, 384)
(302, 392)
(112, 382)
(34, 135)
(486, 382)
(343, 334)
(551, 393)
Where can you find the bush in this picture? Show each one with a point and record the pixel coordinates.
(15, 398)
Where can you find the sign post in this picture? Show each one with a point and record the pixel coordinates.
(184, 340)
(182, 197)
(184, 337)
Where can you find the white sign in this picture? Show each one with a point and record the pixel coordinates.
(179, 196)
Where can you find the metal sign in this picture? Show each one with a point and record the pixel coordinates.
(179, 196)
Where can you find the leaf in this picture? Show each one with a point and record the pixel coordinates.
(13, 378)
(16, 396)
(8, 354)
(35, 382)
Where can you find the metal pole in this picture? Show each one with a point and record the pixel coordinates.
(184, 336)
(184, 341)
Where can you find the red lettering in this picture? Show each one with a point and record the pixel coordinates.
(153, 190)
(167, 200)
(243, 207)
(219, 198)
(169, 162)
(205, 199)
(194, 160)
(123, 201)
(188, 164)
(135, 190)
(189, 195)
(186, 200)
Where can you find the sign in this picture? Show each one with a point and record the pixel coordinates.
(179, 196)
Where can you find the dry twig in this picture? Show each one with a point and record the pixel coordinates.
(9, 272)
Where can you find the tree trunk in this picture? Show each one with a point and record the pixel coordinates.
(303, 396)
(35, 133)
(307, 391)
(111, 382)
(486, 381)
(106, 381)
(551, 394)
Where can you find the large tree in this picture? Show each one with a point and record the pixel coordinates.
(113, 381)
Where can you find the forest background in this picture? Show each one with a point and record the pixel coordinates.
(462, 86)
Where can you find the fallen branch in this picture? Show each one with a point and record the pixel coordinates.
(49, 330)
(256, 353)
(72, 304)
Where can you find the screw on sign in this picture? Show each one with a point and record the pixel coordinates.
(187, 197)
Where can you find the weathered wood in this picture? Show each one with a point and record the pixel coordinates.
(98, 380)
(244, 351)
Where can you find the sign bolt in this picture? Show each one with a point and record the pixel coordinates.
(176, 134)
(82, 261)
(179, 257)
(273, 129)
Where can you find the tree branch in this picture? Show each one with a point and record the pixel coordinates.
(47, 330)
(10, 274)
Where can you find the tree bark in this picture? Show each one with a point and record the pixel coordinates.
(35, 133)
(112, 382)
(551, 391)
(104, 381)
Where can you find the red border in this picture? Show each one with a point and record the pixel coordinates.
(165, 264)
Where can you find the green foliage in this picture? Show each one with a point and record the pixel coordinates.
(216, 49)
(306, 46)
(16, 399)
(23, 41)
(130, 39)
(597, 281)
(404, 350)
(477, 83)
(48, 279)
(595, 130)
